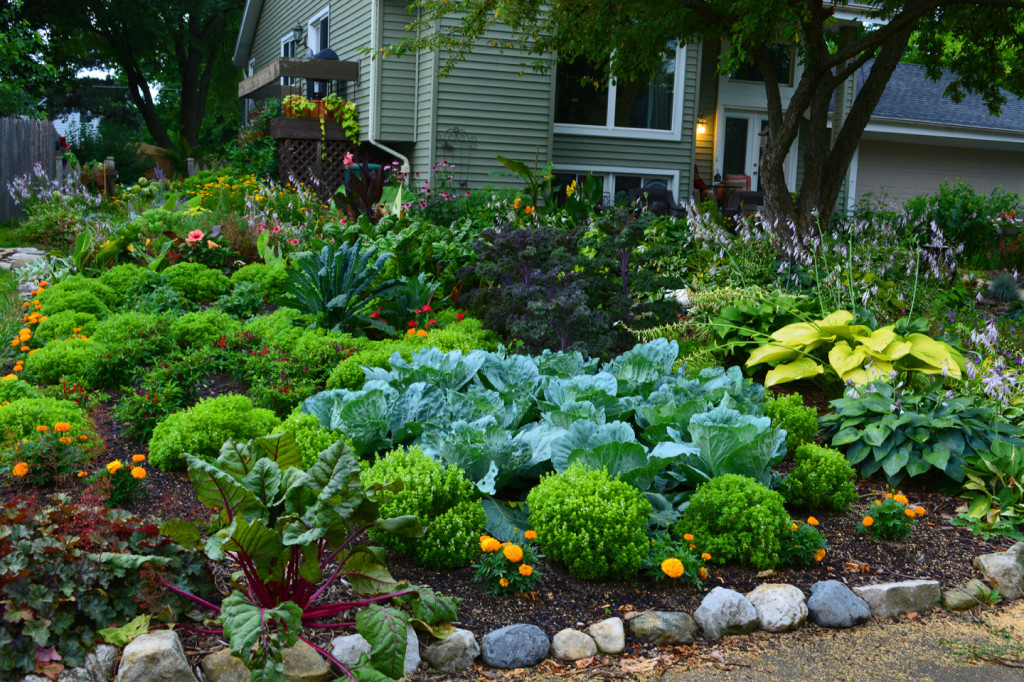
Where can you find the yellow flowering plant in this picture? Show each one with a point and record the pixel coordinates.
(803, 544)
(677, 560)
(119, 482)
(892, 517)
(53, 455)
(509, 568)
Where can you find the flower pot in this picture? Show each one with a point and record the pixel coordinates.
(318, 111)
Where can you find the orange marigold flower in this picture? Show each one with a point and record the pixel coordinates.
(66, 441)
(811, 521)
(672, 567)
(919, 511)
(819, 555)
(26, 304)
(703, 573)
(529, 210)
(909, 512)
(878, 502)
(530, 535)
(705, 556)
(44, 284)
(138, 473)
(83, 437)
(421, 332)
(25, 349)
(693, 546)
(42, 427)
(867, 521)
(20, 469)
(411, 332)
(17, 368)
(513, 553)
(687, 537)
(526, 571)
(517, 203)
(793, 527)
(503, 582)
(10, 377)
(62, 427)
(138, 458)
(490, 545)
(83, 474)
(114, 467)
(902, 499)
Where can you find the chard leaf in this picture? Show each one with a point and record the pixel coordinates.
(384, 628)
(264, 481)
(122, 636)
(366, 573)
(282, 449)
(218, 489)
(364, 672)
(183, 532)
(276, 629)
(433, 608)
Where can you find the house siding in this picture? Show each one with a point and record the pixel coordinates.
(599, 151)
(707, 106)
(496, 98)
(398, 78)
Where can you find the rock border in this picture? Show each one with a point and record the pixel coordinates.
(158, 656)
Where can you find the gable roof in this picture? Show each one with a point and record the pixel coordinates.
(246, 32)
(911, 96)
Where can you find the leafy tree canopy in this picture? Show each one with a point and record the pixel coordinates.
(23, 74)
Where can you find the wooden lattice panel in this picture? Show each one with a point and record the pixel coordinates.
(314, 163)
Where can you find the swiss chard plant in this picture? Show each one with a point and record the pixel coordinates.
(293, 534)
(903, 434)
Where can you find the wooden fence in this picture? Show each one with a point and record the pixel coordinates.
(23, 143)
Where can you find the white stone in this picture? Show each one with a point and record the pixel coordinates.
(454, 653)
(609, 636)
(1004, 571)
(780, 608)
(572, 645)
(155, 656)
(887, 600)
(725, 612)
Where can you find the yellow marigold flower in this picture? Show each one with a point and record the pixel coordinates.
(888, 496)
(811, 521)
(909, 512)
(515, 204)
(919, 511)
(421, 332)
(819, 555)
(526, 571)
(20, 469)
(484, 537)
(114, 467)
(503, 582)
(793, 527)
(902, 499)
(878, 502)
(529, 210)
(672, 567)
(83, 474)
(138, 473)
(513, 553)
(62, 427)
(705, 556)
(138, 458)
(530, 535)
(490, 545)
(703, 573)
(411, 332)
(867, 521)
(42, 427)
(10, 377)
(688, 537)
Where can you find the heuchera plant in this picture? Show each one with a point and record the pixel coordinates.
(287, 529)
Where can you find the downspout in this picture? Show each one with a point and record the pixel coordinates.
(375, 62)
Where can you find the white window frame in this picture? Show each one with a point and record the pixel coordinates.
(313, 26)
(286, 40)
(610, 129)
(251, 67)
(608, 173)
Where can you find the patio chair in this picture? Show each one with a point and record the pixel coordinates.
(737, 180)
(657, 198)
(743, 202)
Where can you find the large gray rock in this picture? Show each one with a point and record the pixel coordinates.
(834, 605)
(454, 653)
(609, 636)
(725, 612)
(664, 628)
(155, 656)
(780, 608)
(98, 667)
(887, 600)
(964, 597)
(1004, 571)
(572, 645)
(514, 646)
(301, 664)
(348, 648)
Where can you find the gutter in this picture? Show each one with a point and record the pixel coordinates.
(375, 63)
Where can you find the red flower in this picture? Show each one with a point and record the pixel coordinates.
(427, 308)
(413, 323)
(432, 322)
(459, 317)
(418, 311)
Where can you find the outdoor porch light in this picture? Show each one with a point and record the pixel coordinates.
(702, 125)
(297, 33)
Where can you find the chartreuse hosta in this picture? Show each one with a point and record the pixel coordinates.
(854, 352)
(292, 535)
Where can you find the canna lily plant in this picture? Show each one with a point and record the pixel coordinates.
(293, 533)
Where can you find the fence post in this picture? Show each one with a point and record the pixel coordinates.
(190, 164)
(109, 176)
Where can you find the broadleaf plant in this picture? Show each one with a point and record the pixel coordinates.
(292, 533)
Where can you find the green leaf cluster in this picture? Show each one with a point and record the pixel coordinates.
(822, 479)
(994, 486)
(789, 413)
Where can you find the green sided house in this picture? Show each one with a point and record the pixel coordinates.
(656, 129)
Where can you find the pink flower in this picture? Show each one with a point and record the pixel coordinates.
(194, 236)
(348, 160)
(293, 242)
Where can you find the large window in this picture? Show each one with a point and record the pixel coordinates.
(287, 50)
(648, 107)
(782, 61)
(318, 34)
(615, 183)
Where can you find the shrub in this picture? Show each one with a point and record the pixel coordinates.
(201, 430)
(19, 419)
(788, 412)
(129, 341)
(69, 299)
(62, 325)
(822, 478)
(588, 521)
(1003, 287)
(203, 328)
(74, 552)
(78, 283)
(890, 518)
(508, 568)
(803, 545)
(77, 359)
(273, 280)
(196, 282)
(16, 389)
(309, 434)
(53, 455)
(125, 280)
(244, 300)
(283, 327)
(141, 411)
(320, 350)
(163, 299)
(735, 517)
(432, 493)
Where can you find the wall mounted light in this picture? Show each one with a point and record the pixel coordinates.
(297, 33)
(702, 125)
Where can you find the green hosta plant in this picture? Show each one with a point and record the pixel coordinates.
(995, 490)
(852, 352)
(908, 434)
(292, 533)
